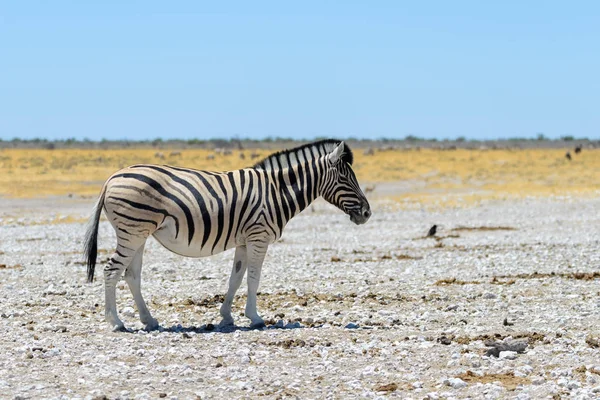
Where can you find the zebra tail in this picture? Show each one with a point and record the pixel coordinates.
(91, 238)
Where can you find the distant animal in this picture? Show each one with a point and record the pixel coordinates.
(198, 213)
(159, 155)
(432, 231)
(210, 157)
(369, 188)
(254, 155)
(175, 154)
(242, 156)
(568, 156)
(578, 149)
(369, 152)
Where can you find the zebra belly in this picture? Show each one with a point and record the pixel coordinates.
(165, 235)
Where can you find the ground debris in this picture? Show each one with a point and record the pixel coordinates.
(15, 266)
(592, 342)
(508, 380)
(289, 343)
(454, 281)
(518, 346)
(390, 387)
(532, 337)
(586, 276)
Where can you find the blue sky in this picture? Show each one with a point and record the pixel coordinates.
(192, 69)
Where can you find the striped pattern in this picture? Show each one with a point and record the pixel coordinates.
(200, 213)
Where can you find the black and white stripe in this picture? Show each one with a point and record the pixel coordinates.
(200, 213)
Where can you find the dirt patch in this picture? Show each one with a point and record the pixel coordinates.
(454, 281)
(388, 257)
(16, 266)
(532, 337)
(275, 300)
(593, 342)
(585, 276)
(390, 387)
(289, 343)
(508, 380)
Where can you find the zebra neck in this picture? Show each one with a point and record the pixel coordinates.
(299, 186)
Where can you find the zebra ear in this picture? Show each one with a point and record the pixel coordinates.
(336, 154)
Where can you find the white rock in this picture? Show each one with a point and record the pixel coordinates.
(508, 355)
(456, 383)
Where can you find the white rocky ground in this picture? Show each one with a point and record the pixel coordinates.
(362, 314)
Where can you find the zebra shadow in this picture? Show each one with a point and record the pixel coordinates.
(210, 328)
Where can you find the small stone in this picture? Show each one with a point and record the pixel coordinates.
(352, 325)
(417, 385)
(596, 389)
(162, 395)
(456, 383)
(60, 328)
(538, 380)
(490, 296)
(444, 340)
(3, 315)
(562, 382)
(573, 385)
(508, 355)
(452, 307)
(209, 327)
(279, 324)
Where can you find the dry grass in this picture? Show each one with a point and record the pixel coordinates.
(447, 178)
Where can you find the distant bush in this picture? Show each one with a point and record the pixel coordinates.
(567, 138)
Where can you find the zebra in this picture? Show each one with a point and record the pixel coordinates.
(197, 213)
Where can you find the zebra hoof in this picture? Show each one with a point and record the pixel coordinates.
(119, 328)
(151, 326)
(258, 325)
(226, 323)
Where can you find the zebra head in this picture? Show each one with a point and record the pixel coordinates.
(341, 188)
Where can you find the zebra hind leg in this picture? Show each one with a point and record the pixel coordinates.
(119, 261)
(255, 255)
(235, 280)
(134, 279)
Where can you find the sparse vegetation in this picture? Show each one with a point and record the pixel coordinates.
(445, 177)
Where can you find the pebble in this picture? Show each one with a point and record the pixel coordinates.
(351, 325)
(456, 383)
(508, 355)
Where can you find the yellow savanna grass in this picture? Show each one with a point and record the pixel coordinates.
(444, 177)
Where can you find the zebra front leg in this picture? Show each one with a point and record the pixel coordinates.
(255, 256)
(133, 277)
(235, 280)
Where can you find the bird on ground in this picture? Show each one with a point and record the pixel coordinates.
(432, 230)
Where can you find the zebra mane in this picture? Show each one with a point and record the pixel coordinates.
(288, 158)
